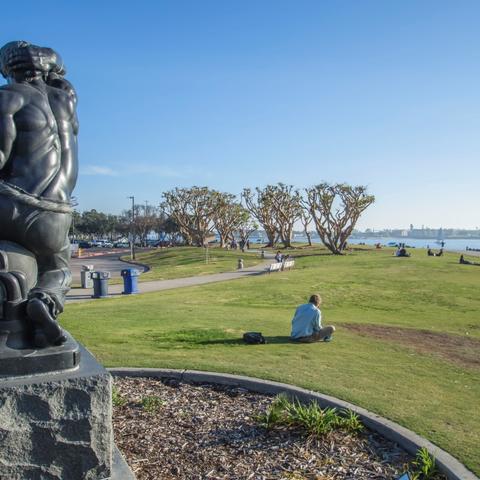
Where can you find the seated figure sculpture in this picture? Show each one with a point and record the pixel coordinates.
(38, 171)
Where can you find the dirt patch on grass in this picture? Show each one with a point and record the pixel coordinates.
(460, 350)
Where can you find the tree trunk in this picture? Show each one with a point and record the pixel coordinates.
(309, 238)
(272, 237)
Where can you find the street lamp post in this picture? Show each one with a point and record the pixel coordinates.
(132, 233)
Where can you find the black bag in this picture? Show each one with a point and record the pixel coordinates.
(253, 338)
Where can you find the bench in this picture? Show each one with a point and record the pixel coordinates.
(288, 264)
(277, 267)
(274, 267)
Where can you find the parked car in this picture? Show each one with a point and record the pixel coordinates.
(102, 243)
(83, 244)
(121, 244)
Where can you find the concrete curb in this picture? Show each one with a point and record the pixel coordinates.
(133, 262)
(407, 439)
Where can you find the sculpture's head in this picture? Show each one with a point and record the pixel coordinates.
(23, 61)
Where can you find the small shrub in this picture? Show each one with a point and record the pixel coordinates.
(275, 413)
(424, 467)
(117, 399)
(351, 421)
(152, 404)
(311, 418)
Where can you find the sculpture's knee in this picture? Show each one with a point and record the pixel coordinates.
(47, 232)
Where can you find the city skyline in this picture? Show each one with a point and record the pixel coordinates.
(245, 94)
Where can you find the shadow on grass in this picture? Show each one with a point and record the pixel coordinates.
(205, 337)
(239, 341)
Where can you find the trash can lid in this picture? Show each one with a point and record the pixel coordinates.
(133, 272)
(99, 274)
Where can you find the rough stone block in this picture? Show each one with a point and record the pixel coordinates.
(57, 425)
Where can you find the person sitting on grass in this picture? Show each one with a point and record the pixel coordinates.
(401, 252)
(467, 262)
(307, 323)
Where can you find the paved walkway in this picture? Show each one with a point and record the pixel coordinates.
(466, 253)
(83, 294)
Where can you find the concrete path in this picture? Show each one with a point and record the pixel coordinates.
(466, 253)
(83, 294)
(105, 262)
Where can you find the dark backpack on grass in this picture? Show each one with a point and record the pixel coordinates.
(253, 338)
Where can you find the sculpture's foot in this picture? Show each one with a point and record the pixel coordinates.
(39, 339)
(48, 331)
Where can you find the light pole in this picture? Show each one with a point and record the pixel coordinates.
(132, 233)
(145, 244)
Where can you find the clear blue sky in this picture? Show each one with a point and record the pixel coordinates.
(243, 93)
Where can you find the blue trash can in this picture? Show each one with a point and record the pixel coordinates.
(130, 280)
(100, 284)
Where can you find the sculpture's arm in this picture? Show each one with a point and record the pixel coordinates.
(10, 103)
(57, 81)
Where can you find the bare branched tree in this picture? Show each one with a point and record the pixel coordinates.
(192, 209)
(335, 210)
(260, 205)
(306, 220)
(246, 227)
(227, 217)
(145, 222)
(287, 209)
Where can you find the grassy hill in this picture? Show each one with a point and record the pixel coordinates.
(407, 344)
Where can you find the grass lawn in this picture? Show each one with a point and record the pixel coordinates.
(179, 262)
(407, 344)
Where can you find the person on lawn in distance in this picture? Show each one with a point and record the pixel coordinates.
(307, 323)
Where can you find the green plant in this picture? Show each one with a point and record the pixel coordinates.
(274, 413)
(310, 417)
(117, 399)
(351, 420)
(424, 467)
(152, 404)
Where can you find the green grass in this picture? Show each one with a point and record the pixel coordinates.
(179, 262)
(200, 328)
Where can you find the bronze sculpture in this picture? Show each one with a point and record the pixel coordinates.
(38, 171)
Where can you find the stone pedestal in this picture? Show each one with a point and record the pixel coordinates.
(58, 426)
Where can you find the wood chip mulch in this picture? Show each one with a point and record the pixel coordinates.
(210, 432)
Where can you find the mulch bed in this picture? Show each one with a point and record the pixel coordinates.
(210, 432)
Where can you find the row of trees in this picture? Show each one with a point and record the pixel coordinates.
(139, 224)
(196, 213)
